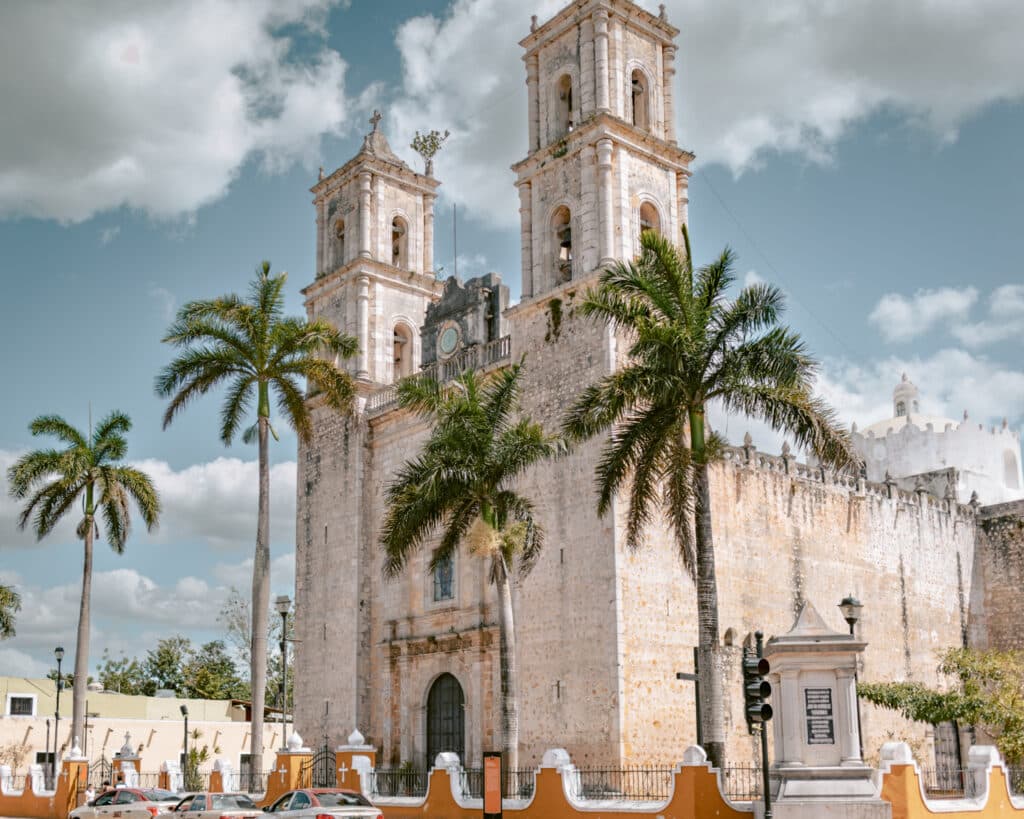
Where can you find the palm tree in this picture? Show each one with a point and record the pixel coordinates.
(10, 604)
(461, 484)
(254, 349)
(692, 345)
(86, 471)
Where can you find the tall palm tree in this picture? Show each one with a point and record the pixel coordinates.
(87, 470)
(461, 483)
(250, 346)
(690, 345)
(10, 604)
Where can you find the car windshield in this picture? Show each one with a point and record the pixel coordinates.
(334, 800)
(232, 800)
(160, 795)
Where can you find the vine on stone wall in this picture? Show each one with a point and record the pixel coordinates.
(554, 314)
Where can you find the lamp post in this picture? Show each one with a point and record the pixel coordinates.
(283, 605)
(185, 777)
(850, 606)
(58, 653)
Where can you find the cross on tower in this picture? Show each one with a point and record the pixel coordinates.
(375, 119)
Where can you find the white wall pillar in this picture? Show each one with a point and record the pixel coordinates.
(790, 718)
(601, 65)
(605, 201)
(365, 179)
(526, 239)
(533, 97)
(363, 324)
(669, 75)
(846, 693)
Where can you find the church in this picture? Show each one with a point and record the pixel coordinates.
(602, 631)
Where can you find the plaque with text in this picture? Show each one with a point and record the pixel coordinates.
(820, 723)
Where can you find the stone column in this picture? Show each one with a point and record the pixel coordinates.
(669, 56)
(363, 326)
(588, 88)
(533, 98)
(682, 203)
(846, 694)
(364, 214)
(605, 203)
(601, 67)
(526, 238)
(428, 233)
(322, 229)
(790, 716)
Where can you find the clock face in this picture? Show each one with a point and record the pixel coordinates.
(448, 340)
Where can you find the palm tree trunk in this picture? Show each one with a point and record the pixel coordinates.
(82, 643)
(708, 649)
(508, 672)
(260, 594)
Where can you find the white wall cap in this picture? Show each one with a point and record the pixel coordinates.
(356, 738)
(695, 756)
(447, 760)
(556, 758)
(896, 753)
(982, 756)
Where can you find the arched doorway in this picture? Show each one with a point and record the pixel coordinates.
(446, 718)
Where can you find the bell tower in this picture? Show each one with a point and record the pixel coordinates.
(375, 258)
(603, 163)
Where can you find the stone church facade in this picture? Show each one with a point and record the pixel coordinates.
(602, 631)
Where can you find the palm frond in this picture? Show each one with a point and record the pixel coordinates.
(59, 428)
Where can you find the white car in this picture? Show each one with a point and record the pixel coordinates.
(314, 803)
(127, 803)
(208, 805)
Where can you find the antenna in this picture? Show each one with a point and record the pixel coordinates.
(455, 238)
(90, 420)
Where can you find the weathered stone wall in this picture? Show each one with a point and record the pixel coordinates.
(999, 577)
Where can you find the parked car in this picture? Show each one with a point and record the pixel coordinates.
(314, 803)
(208, 805)
(127, 803)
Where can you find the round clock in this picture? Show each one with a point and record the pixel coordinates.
(448, 340)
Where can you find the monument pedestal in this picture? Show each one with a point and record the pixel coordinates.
(818, 763)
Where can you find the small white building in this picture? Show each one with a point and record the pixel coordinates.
(917, 450)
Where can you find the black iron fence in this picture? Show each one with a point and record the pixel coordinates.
(1015, 779)
(252, 782)
(948, 783)
(636, 783)
(742, 783)
(398, 782)
(515, 783)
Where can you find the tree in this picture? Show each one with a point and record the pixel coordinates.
(461, 484)
(123, 675)
(690, 345)
(85, 473)
(250, 346)
(164, 666)
(988, 692)
(235, 618)
(10, 604)
(210, 674)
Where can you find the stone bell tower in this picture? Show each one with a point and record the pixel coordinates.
(375, 257)
(603, 163)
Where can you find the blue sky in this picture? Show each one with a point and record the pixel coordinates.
(867, 162)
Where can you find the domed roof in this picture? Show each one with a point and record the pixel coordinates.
(880, 428)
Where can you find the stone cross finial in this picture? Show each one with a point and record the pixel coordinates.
(533, 22)
(375, 119)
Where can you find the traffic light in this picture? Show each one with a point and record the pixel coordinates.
(756, 689)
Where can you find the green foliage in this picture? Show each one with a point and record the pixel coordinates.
(234, 617)
(207, 672)
(165, 665)
(554, 317)
(987, 691)
(197, 755)
(123, 675)
(465, 471)
(10, 604)
(427, 145)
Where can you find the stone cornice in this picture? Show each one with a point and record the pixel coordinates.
(623, 10)
(524, 308)
(424, 284)
(362, 161)
(607, 126)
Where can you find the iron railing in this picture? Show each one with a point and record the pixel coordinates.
(472, 358)
(1015, 779)
(398, 782)
(515, 783)
(630, 783)
(149, 780)
(252, 782)
(947, 783)
(742, 783)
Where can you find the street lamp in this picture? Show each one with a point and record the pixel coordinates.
(283, 605)
(58, 653)
(850, 606)
(185, 777)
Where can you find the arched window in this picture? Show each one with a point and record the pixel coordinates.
(564, 105)
(403, 351)
(446, 719)
(901, 409)
(649, 218)
(1010, 470)
(399, 242)
(640, 95)
(339, 242)
(561, 225)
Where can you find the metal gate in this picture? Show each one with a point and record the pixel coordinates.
(102, 770)
(320, 771)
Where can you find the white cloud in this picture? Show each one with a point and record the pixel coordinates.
(1005, 319)
(792, 76)
(899, 318)
(156, 106)
(212, 503)
(167, 300)
(107, 235)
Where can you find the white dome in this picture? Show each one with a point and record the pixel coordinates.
(880, 428)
